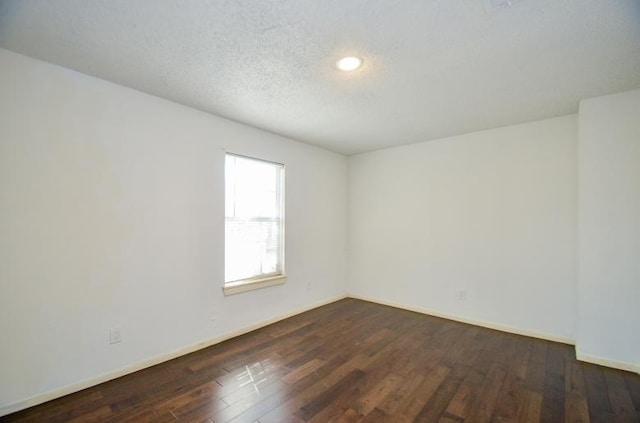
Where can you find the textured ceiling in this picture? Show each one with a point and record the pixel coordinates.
(432, 68)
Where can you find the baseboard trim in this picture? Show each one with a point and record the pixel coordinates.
(462, 319)
(75, 387)
(620, 365)
(69, 389)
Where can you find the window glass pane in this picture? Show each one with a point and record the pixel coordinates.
(254, 225)
(252, 248)
(252, 188)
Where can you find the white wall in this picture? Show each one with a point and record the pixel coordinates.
(111, 207)
(609, 222)
(111, 214)
(492, 213)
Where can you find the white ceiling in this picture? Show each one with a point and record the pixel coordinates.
(432, 68)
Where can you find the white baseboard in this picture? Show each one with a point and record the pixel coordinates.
(462, 319)
(620, 365)
(65, 390)
(75, 387)
(581, 356)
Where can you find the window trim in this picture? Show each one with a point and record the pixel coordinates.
(245, 285)
(266, 280)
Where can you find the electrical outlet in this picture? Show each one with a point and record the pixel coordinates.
(115, 335)
(462, 294)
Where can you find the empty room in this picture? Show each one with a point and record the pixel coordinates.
(320, 211)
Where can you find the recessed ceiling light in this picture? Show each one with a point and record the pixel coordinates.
(348, 64)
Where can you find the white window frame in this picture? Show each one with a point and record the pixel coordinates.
(262, 280)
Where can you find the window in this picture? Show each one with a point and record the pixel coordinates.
(254, 224)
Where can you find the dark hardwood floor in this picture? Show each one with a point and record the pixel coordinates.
(357, 361)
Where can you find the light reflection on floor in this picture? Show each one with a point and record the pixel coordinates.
(254, 374)
(249, 385)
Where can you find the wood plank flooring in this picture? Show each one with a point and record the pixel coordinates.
(354, 361)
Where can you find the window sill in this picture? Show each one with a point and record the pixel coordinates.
(252, 284)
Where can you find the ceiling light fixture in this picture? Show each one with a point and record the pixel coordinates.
(349, 64)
